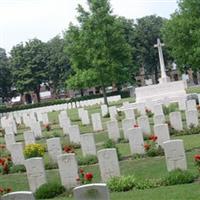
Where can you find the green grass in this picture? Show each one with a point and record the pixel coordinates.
(141, 168)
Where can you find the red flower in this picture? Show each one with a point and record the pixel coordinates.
(68, 149)
(88, 176)
(1, 190)
(197, 157)
(135, 126)
(153, 138)
(2, 161)
(8, 190)
(147, 146)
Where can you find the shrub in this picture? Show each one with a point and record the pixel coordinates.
(87, 160)
(171, 108)
(147, 184)
(51, 165)
(188, 131)
(47, 127)
(4, 191)
(149, 113)
(111, 144)
(151, 147)
(49, 190)
(122, 183)
(34, 150)
(179, 177)
(5, 165)
(17, 168)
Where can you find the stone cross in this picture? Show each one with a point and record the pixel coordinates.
(159, 45)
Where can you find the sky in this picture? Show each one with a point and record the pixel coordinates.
(21, 20)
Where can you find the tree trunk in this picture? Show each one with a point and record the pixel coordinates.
(104, 95)
(82, 92)
(156, 74)
(37, 92)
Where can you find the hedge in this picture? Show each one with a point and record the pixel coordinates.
(4, 109)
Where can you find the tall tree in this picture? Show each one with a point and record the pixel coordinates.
(29, 64)
(147, 30)
(97, 48)
(5, 76)
(182, 33)
(58, 65)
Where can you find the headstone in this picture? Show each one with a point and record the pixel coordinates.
(108, 163)
(9, 140)
(192, 118)
(113, 112)
(97, 191)
(74, 134)
(129, 114)
(104, 110)
(157, 109)
(182, 104)
(175, 155)
(113, 130)
(68, 170)
(54, 148)
(88, 146)
(126, 125)
(36, 128)
(29, 137)
(143, 123)
(85, 118)
(158, 119)
(17, 154)
(22, 195)
(136, 141)
(45, 118)
(176, 121)
(9, 130)
(96, 122)
(162, 132)
(80, 111)
(191, 105)
(141, 108)
(35, 173)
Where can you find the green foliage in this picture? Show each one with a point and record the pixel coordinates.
(122, 183)
(17, 169)
(147, 184)
(49, 190)
(51, 165)
(188, 131)
(179, 177)
(171, 108)
(6, 76)
(182, 34)
(111, 144)
(87, 160)
(98, 57)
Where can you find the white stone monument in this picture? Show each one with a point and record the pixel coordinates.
(88, 145)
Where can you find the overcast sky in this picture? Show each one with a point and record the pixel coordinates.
(21, 20)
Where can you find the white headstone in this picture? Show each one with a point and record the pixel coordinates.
(191, 118)
(96, 122)
(175, 155)
(35, 173)
(182, 104)
(129, 113)
(126, 125)
(54, 148)
(176, 121)
(36, 128)
(68, 170)
(29, 137)
(162, 132)
(136, 141)
(88, 146)
(159, 119)
(9, 139)
(113, 112)
(191, 105)
(74, 134)
(17, 154)
(22, 195)
(143, 123)
(97, 191)
(113, 130)
(45, 118)
(108, 163)
(85, 118)
(158, 109)
(104, 110)
(141, 108)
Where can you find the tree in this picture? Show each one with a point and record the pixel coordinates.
(97, 48)
(5, 76)
(29, 63)
(147, 30)
(58, 64)
(182, 33)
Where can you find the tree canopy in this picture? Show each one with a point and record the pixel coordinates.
(97, 48)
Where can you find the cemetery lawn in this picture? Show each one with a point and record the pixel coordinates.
(141, 168)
